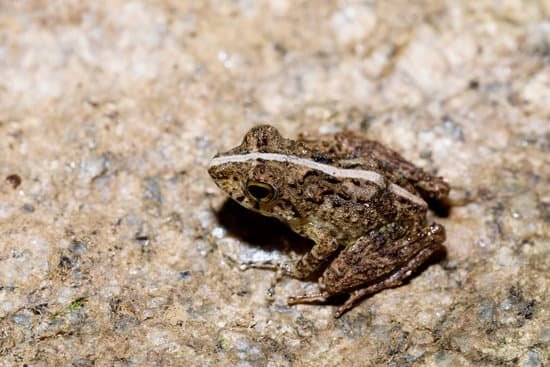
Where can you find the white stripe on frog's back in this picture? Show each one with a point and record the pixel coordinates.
(370, 176)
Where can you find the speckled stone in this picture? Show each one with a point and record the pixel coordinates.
(116, 248)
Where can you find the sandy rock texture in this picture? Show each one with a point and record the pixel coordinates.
(116, 248)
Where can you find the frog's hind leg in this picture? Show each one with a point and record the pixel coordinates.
(392, 281)
(356, 296)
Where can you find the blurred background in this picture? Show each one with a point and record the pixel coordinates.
(117, 249)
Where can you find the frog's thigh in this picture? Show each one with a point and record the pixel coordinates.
(392, 281)
(364, 262)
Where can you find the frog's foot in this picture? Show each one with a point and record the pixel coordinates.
(308, 298)
(280, 270)
(353, 300)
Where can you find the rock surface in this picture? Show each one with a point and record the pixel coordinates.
(116, 249)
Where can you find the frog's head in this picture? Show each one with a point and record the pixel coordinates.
(253, 173)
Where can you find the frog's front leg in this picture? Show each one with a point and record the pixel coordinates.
(311, 262)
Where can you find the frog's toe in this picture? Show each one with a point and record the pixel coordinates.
(308, 298)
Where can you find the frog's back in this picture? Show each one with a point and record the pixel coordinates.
(349, 150)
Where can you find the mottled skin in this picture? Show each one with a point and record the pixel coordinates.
(366, 237)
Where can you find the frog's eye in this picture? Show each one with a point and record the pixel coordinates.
(260, 191)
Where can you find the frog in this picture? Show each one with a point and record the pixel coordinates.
(363, 205)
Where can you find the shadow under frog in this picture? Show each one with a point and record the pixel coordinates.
(260, 231)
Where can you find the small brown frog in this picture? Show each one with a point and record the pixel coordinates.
(362, 204)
